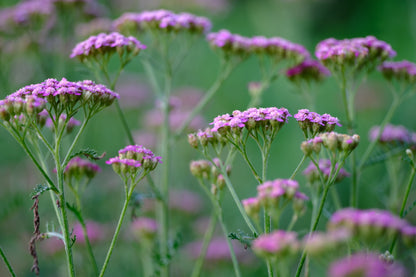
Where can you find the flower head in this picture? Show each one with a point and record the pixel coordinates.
(312, 174)
(392, 134)
(308, 70)
(144, 228)
(104, 44)
(404, 71)
(365, 265)
(313, 123)
(78, 168)
(278, 244)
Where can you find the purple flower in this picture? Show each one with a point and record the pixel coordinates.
(308, 70)
(319, 243)
(312, 173)
(94, 232)
(106, 43)
(391, 134)
(185, 201)
(367, 224)
(278, 244)
(144, 228)
(78, 168)
(313, 123)
(163, 20)
(365, 265)
(402, 71)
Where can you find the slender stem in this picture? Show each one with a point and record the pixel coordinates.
(207, 238)
(124, 123)
(208, 96)
(9, 267)
(74, 142)
(118, 227)
(406, 196)
(396, 102)
(230, 246)
(267, 217)
(237, 200)
(298, 167)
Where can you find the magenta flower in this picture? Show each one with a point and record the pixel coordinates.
(78, 168)
(312, 173)
(308, 70)
(144, 228)
(106, 43)
(313, 123)
(392, 134)
(365, 265)
(402, 71)
(278, 244)
(163, 20)
(94, 232)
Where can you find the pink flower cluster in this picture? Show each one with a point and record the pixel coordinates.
(78, 168)
(308, 70)
(106, 43)
(370, 224)
(276, 244)
(133, 157)
(313, 123)
(312, 174)
(272, 194)
(392, 134)
(365, 264)
(402, 71)
(355, 51)
(277, 47)
(163, 20)
(332, 141)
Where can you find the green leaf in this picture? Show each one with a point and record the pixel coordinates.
(39, 189)
(90, 154)
(242, 237)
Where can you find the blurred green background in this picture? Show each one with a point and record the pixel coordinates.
(301, 21)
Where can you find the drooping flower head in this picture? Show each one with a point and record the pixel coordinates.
(365, 265)
(162, 21)
(95, 47)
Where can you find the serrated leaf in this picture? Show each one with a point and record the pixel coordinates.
(90, 154)
(39, 189)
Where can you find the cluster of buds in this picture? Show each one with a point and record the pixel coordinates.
(308, 70)
(312, 173)
(369, 225)
(63, 122)
(276, 245)
(325, 243)
(96, 47)
(365, 264)
(275, 47)
(403, 71)
(332, 141)
(79, 168)
(203, 169)
(272, 195)
(144, 228)
(313, 123)
(14, 109)
(356, 52)
(392, 134)
(162, 20)
(132, 158)
(28, 14)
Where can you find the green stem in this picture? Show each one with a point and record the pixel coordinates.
(207, 238)
(208, 96)
(118, 227)
(396, 102)
(237, 200)
(74, 142)
(406, 196)
(124, 123)
(298, 167)
(9, 267)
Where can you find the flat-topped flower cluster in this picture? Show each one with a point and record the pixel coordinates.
(133, 157)
(313, 123)
(355, 51)
(56, 97)
(402, 71)
(276, 47)
(392, 134)
(308, 70)
(106, 44)
(164, 20)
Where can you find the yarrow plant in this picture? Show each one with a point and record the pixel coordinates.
(279, 216)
